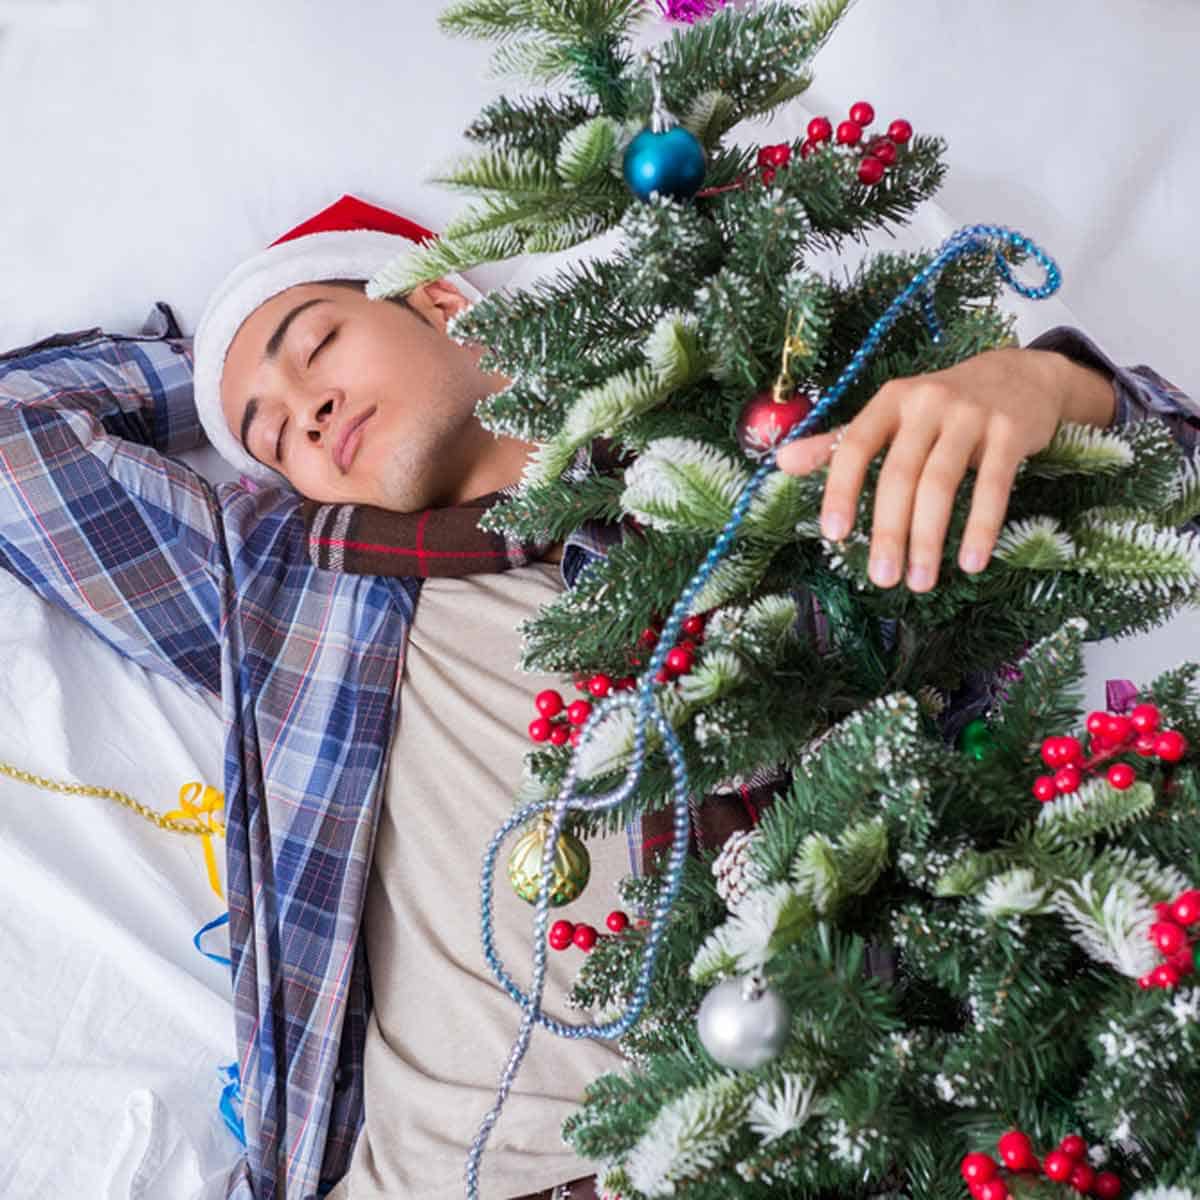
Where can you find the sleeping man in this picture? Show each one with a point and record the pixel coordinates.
(374, 743)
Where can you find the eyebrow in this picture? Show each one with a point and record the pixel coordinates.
(274, 342)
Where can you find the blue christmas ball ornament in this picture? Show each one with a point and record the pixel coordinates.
(670, 162)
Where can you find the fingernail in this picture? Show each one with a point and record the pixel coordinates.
(919, 577)
(972, 560)
(835, 526)
(883, 571)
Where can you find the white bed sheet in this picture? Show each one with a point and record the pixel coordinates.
(151, 145)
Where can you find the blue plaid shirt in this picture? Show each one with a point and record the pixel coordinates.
(212, 587)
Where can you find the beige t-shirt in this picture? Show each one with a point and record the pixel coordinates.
(442, 1027)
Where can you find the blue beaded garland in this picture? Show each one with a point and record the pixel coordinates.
(969, 239)
(671, 163)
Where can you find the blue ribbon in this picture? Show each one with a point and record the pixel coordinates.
(230, 1104)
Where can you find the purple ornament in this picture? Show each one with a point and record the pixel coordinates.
(1119, 695)
(689, 11)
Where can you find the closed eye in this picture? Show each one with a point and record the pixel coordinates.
(279, 441)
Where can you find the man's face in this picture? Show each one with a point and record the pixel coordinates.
(308, 364)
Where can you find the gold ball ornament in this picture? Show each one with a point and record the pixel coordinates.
(572, 864)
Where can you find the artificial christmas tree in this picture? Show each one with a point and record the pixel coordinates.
(767, 1062)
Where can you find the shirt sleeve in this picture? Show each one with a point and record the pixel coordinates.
(94, 515)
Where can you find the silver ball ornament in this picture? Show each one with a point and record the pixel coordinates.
(743, 1022)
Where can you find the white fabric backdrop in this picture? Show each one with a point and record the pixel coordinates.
(150, 146)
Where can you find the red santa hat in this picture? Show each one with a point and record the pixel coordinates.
(350, 239)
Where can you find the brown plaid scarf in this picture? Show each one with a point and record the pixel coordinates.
(362, 539)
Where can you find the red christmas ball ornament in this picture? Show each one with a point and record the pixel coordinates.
(599, 685)
(1146, 982)
(559, 734)
(1044, 789)
(849, 133)
(1082, 1177)
(975, 1186)
(900, 131)
(1117, 728)
(820, 129)
(1097, 721)
(662, 675)
(578, 711)
(1144, 718)
(776, 156)
(762, 159)
(585, 937)
(1120, 775)
(883, 150)
(693, 626)
(576, 734)
(539, 729)
(549, 703)
(648, 638)
(768, 176)
(870, 170)
(616, 920)
(1073, 1145)
(978, 1167)
(1144, 744)
(1107, 1186)
(1016, 1150)
(1067, 779)
(808, 146)
(1168, 937)
(764, 422)
(1058, 1165)
(1170, 745)
(560, 935)
(625, 684)
(862, 113)
(1186, 909)
(1166, 975)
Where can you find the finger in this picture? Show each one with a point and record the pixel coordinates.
(806, 454)
(865, 436)
(989, 502)
(894, 500)
(934, 502)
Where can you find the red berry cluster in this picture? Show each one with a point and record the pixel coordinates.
(680, 658)
(1067, 1164)
(877, 154)
(1111, 734)
(563, 934)
(1170, 934)
(550, 704)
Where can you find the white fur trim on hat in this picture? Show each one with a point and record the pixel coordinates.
(333, 254)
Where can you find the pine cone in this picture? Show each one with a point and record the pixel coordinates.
(736, 874)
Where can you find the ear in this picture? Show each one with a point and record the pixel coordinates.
(438, 301)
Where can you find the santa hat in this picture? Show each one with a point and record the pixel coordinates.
(348, 240)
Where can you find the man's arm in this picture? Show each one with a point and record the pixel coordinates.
(1104, 393)
(93, 514)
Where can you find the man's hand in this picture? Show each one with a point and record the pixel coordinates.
(988, 412)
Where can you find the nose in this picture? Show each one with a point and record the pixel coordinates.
(322, 417)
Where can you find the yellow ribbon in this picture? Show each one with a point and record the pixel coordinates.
(205, 813)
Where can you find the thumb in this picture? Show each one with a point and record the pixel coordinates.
(806, 454)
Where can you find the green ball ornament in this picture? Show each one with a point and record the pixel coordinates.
(569, 875)
(977, 739)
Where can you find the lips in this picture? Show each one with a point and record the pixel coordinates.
(348, 440)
